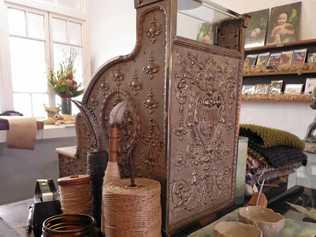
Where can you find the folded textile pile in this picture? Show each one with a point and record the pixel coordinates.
(272, 153)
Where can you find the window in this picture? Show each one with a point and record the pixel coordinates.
(67, 40)
(39, 41)
(27, 41)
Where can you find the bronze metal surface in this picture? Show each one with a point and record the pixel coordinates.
(187, 97)
(203, 122)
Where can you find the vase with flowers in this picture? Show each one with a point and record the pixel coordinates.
(63, 83)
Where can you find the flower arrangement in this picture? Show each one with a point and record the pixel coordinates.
(62, 81)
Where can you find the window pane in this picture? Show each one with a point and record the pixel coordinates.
(22, 103)
(38, 102)
(16, 22)
(74, 31)
(59, 30)
(35, 25)
(70, 3)
(28, 65)
(61, 52)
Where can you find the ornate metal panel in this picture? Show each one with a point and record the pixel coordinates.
(203, 122)
(188, 105)
(139, 77)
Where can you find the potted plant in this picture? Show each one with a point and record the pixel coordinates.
(63, 83)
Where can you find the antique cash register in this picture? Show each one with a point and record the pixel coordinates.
(184, 79)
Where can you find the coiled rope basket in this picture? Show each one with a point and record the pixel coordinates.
(132, 211)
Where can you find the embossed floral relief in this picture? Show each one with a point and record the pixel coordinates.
(204, 88)
(153, 30)
(136, 79)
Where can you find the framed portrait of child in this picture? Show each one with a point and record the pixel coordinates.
(284, 23)
(257, 28)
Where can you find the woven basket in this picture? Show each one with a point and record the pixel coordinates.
(132, 211)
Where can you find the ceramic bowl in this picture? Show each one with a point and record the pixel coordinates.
(235, 229)
(270, 222)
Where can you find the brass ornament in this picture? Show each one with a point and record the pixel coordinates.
(151, 68)
(154, 30)
(135, 84)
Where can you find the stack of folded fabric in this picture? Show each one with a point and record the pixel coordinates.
(272, 153)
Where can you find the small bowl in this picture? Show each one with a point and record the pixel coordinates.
(235, 229)
(268, 221)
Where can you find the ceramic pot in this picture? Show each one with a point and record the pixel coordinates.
(66, 105)
(235, 229)
(269, 222)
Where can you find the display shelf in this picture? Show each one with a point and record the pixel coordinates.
(299, 43)
(278, 98)
(281, 73)
(289, 74)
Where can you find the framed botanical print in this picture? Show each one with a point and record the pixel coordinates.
(257, 28)
(284, 23)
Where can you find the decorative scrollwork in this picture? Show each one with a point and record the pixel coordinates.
(135, 84)
(151, 68)
(181, 193)
(154, 30)
(118, 77)
(150, 103)
(181, 131)
(105, 86)
(154, 146)
(204, 98)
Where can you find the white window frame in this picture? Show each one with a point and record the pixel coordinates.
(50, 11)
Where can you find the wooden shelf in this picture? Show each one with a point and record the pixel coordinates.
(279, 73)
(277, 98)
(298, 43)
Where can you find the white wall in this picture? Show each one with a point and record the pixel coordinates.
(293, 117)
(112, 24)
(308, 29)
(113, 33)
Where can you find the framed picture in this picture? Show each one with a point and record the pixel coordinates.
(262, 89)
(286, 58)
(284, 23)
(276, 87)
(257, 28)
(309, 86)
(248, 89)
(312, 58)
(251, 60)
(299, 56)
(263, 59)
(293, 89)
(205, 33)
(274, 59)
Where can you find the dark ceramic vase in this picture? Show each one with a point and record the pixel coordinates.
(66, 105)
(96, 165)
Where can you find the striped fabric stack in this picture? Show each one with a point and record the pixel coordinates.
(273, 154)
